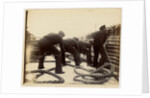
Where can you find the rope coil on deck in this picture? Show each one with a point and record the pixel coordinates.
(60, 79)
(98, 76)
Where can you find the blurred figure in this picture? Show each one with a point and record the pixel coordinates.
(85, 48)
(71, 46)
(98, 45)
(118, 29)
(47, 45)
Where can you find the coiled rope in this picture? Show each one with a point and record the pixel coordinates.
(98, 76)
(42, 72)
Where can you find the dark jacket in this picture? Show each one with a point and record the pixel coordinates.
(82, 46)
(51, 40)
(99, 38)
(70, 43)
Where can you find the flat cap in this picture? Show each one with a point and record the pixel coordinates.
(102, 27)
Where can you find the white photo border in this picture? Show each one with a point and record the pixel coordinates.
(131, 47)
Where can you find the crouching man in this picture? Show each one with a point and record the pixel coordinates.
(85, 48)
(47, 45)
(71, 46)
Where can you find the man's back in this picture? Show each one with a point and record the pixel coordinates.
(53, 38)
(100, 37)
(70, 42)
(84, 44)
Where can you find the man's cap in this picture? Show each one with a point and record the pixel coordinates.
(61, 32)
(102, 27)
(75, 38)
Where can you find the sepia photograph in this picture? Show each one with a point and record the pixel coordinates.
(72, 47)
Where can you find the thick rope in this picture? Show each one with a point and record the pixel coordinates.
(97, 72)
(60, 79)
(98, 76)
(42, 72)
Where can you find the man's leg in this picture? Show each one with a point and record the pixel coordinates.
(76, 56)
(77, 59)
(58, 64)
(104, 57)
(42, 51)
(57, 54)
(88, 55)
(89, 61)
(41, 61)
(96, 53)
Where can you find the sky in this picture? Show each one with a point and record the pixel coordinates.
(73, 22)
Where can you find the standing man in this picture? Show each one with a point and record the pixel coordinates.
(98, 45)
(71, 46)
(47, 45)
